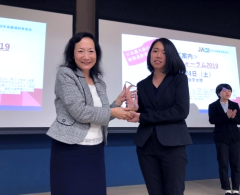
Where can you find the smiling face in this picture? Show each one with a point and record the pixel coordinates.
(158, 57)
(225, 94)
(85, 54)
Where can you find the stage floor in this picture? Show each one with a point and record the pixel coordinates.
(198, 187)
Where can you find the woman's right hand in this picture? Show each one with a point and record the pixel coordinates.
(234, 112)
(121, 113)
(132, 103)
(229, 113)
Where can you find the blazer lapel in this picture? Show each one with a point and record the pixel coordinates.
(83, 82)
(101, 92)
(148, 87)
(219, 106)
(100, 89)
(163, 86)
(231, 105)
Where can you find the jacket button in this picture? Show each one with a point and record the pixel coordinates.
(64, 120)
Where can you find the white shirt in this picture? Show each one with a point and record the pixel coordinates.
(94, 135)
(224, 106)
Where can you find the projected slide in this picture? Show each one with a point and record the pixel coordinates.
(207, 66)
(22, 49)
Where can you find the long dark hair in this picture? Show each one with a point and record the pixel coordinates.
(69, 54)
(174, 63)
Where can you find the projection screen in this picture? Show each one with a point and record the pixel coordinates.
(31, 47)
(209, 60)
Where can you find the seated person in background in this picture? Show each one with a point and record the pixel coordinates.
(225, 115)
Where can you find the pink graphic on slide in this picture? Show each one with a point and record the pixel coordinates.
(138, 55)
(23, 99)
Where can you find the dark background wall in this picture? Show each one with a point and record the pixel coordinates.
(59, 6)
(83, 11)
(213, 17)
(24, 159)
(25, 162)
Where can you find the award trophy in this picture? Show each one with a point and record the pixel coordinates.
(131, 93)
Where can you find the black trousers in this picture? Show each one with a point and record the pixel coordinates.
(163, 167)
(77, 169)
(229, 152)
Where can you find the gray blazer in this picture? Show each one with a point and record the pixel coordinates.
(74, 107)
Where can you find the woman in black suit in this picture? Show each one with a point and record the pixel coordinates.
(163, 100)
(225, 115)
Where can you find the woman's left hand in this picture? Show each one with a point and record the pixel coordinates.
(234, 114)
(121, 98)
(135, 118)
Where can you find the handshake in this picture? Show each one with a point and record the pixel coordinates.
(129, 96)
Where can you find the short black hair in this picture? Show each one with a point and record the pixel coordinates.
(221, 86)
(174, 63)
(69, 53)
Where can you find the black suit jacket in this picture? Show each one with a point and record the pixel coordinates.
(167, 111)
(224, 126)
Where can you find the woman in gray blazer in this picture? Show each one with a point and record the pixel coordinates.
(83, 113)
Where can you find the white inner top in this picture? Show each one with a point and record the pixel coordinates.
(94, 135)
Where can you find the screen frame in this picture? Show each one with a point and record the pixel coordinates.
(35, 130)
